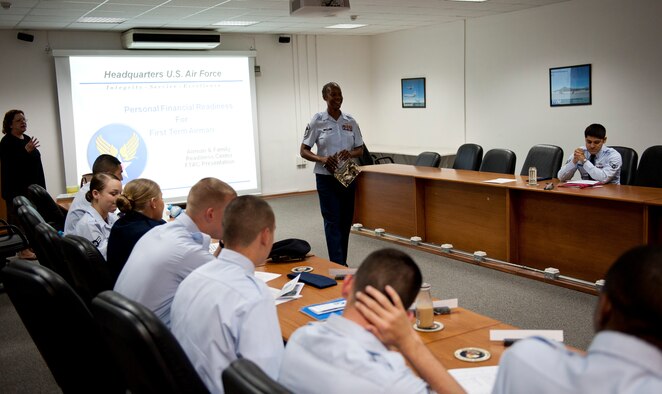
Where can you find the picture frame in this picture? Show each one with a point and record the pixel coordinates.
(413, 92)
(570, 85)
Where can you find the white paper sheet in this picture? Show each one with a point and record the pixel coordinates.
(499, 180)
(479, 380)
(500, 335)
(266, 276)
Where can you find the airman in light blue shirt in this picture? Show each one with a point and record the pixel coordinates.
(594, 161)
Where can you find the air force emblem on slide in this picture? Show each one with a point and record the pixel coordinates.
(122, 142)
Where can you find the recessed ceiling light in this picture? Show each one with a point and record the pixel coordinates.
(94, 19)
(235, 23)
(345, 26)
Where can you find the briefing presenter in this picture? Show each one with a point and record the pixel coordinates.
(338, 138)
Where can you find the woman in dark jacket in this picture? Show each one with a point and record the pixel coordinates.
(20, 161)
(142, 204)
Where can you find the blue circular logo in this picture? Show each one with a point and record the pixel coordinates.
(122, 142)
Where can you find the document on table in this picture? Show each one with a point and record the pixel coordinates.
(499, 180)
(479, 380)
(587, 182)
(500, 335)
(290, 291)
(266, 276)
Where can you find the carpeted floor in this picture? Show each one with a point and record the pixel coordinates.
(511, 299)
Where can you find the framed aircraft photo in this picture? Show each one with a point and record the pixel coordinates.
(413, 93)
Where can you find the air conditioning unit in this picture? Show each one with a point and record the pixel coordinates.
(170, 39)
(318, 7)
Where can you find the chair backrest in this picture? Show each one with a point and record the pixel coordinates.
(468, 157)
(47, 207)
(546, 158)
(366, 159)
(19, 201)
(149, 355)
(62, 328)
(649, 172)
(428, 159)
(48, 248)
(29, 218)
(12, 240)
(89, 270)
(244, 377)
(499, 160)
(629, 158)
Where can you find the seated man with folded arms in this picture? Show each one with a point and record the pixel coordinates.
(347, 355)
(595, 161)
(166, 254)
(103, 164)
(221, 310)
(625, 356)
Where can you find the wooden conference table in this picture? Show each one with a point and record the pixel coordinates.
(579, 231)
(463, 328)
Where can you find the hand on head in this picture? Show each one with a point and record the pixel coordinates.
(389, 321)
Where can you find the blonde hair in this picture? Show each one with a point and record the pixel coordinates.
(137, 194)
(208, 192)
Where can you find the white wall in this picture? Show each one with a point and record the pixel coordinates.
(436, 53)
(507, 88)
(508, 61)
(28, 83)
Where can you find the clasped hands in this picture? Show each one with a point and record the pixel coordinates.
(331, 162)
(579, 156)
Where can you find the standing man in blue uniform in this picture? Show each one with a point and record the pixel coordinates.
(338, 138)
(595, 161)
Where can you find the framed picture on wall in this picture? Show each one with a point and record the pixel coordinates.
(413, 93)
(570, 85)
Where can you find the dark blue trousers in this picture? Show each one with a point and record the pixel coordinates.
(337, 205)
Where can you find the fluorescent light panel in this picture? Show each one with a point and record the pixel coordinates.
(236, 23)
(95, 19)
(345, 26)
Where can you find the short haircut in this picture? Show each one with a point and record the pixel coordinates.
(632, 285)
(595, 130)
(9, 119)
(98, 183)
(105, 163)
(243, 220)
(207, 193)
(390, 267)
(328, 87)
(137, 194)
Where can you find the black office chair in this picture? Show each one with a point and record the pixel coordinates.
(546, 158)
(47, 207)
(29, 218)
(501, 161)
(12, 241)
(244, 377)
(629, 158)
(62, 328)
(368, 159)
(468, 157)
(649, 172)
(48, 248)
(428, 159)
(149, 355)
(89, 270)
(19, 201)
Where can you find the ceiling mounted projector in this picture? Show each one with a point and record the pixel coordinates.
(170, 39)
(318, 7)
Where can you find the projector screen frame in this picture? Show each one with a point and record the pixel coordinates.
(62, 69)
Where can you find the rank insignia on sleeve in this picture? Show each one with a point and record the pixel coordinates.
(306, 134)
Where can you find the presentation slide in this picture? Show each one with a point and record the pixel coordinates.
(172, 119)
